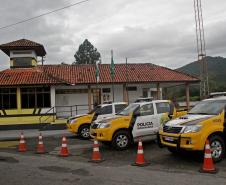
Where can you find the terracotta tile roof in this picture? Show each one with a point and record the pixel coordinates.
(23, 44)
(25, 76)
(85, 74)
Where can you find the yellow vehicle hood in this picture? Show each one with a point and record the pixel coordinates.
(108, 119)
(189, 119)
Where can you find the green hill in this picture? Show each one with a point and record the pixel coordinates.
(216, 72)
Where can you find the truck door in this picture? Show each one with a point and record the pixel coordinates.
(105, 112)
(161, 108)
(145, 123)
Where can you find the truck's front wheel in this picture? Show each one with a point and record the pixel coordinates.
(217, 147)
(121, 140)
(84, 131)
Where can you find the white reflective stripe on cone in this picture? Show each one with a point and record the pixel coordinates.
(140, 144)
(40, 142)
(22, 136)
(64, 145)
(207, 146)
(64, 139)
(40, 137)
(22, 141)
(96, 149)
(208, 156)
(140, 151)
(95, 142)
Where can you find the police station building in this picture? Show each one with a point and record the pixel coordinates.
(33, 94)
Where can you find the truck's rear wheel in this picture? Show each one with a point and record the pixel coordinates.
(84, 131)
(121, 140)
(217, 147)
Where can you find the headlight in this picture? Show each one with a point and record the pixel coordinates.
(104, 125)
(192, 129)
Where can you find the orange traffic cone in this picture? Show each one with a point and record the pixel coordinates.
(208, 166)
(64, 150)
(40, 146)
(96, 156)
(22, 144)
(140, 156)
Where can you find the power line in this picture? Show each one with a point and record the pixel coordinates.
(44, 14)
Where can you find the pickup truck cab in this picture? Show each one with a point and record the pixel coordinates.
(206, 120)
(138, 120)
(80, 124)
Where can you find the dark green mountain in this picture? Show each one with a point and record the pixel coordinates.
(216, 71)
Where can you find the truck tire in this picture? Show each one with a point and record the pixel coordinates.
(121, 140)
(173, 150)
(217, 147)
(83, 131)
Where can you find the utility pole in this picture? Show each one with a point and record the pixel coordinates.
(201, 49)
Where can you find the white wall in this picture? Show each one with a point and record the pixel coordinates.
(27, 54)
(82, 98)
(63, 101)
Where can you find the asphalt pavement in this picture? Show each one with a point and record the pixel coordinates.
(32, 169)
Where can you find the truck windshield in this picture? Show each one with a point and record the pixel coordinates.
(210, 107)
(96, 109)
(129, 109)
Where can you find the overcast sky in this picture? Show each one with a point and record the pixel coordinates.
(156, 31)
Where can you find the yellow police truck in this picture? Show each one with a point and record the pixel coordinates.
(206, 120)
(80, 124)
(138, 120)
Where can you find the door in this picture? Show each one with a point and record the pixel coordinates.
(96, 97)
(105, 112)
(146, 122)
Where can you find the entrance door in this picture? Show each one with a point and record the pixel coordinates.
(96, 97)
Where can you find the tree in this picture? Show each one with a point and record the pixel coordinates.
(86, 54)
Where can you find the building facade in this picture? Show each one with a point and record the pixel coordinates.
(33, 94)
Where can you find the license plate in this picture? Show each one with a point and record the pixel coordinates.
(169, 139)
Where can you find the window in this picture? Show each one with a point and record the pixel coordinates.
(37, 97)
(208, 107)
(8, 98)
(145, 92)
(120, 107)
(106, 90)
(22, 62)
(106, 110)
(146, 110)
(131, 88)
(163, 107)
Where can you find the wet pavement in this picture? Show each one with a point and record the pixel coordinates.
(165, 168)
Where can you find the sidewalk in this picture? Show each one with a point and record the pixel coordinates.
(15, 134)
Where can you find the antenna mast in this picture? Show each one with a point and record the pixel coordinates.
(201, 49)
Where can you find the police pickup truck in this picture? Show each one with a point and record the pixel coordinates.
(138, 120)
(80, 124)
(205, 121)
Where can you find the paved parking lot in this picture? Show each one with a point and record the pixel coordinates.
(30, 168)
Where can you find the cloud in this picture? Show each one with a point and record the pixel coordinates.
(161, 32)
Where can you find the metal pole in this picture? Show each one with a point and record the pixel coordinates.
(127, 93)
(113, 91)
(112, 80)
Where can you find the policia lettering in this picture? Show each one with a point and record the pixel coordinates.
(144, 125)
